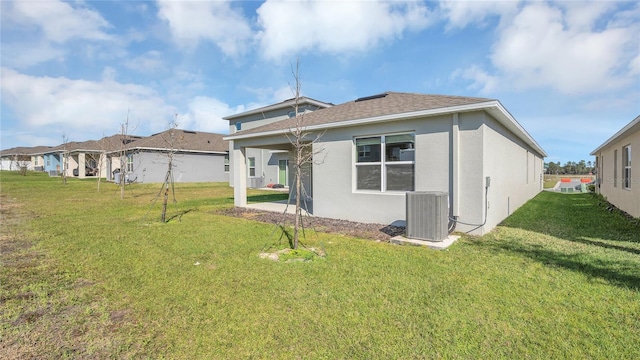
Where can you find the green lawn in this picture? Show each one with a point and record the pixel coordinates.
(105, 279)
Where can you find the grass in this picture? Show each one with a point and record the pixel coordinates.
(93, 276)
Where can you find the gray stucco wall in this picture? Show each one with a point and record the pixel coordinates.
(515, 170)
(151, 167)
(485, 148)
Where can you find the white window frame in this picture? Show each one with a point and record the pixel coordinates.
(615, 168)
(129, 163)
(249, 167)
(383, 163)
(626, 168)
(226, 163)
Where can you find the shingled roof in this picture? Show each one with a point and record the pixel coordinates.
(388, 103)
(184, 141)
(22, 150)
(391, 106)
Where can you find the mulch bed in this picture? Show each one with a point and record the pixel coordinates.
(377, 232)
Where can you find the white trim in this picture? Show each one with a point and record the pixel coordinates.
(626, 165)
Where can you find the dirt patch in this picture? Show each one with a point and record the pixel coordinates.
(60, 317)
(377, 232)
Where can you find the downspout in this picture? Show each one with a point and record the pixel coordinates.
(455, 132)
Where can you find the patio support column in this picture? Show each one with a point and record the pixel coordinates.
(81, 165)
(239, 176)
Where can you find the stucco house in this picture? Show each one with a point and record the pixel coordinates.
(375, 149)
(197, 157)
(268, 166)
(618, 166)
(18, 157)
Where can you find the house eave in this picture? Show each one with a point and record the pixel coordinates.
(493, 107)
(282, 105)
(141, 148)
(619, 134)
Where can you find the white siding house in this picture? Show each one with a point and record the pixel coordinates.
(374, 150)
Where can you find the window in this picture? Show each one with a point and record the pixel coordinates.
(615, 168)
(252, 166)
(48, 161)
(226, 163)
(130, 163)
(36, 161)
(385, 163)
(626, 167)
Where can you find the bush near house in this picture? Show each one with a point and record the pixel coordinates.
(87, 275)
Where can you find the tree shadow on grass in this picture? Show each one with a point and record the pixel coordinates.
(266, 198)
(609, 238)
(582, 218)
(620, 272)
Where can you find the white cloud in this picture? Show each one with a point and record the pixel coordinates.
(538, 49)
(149, 62)
(79, 106)
(194, 21)
(574, 48)
(23, 56)
(481, 80)
(59, 21)
(205, 114)
(334, 27)
(460, 14)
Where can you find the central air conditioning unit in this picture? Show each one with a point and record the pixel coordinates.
(427, 215)
(256, 183)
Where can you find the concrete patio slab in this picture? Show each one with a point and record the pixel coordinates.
(437, 245)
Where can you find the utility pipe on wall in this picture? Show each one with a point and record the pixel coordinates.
(455, 166)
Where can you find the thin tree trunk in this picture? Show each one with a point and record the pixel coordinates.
(298, 214)
(164, 204)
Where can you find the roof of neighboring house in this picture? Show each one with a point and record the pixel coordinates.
(633, 126)
(22, 150)
(183, 141)
(390, 106)
(289, 103)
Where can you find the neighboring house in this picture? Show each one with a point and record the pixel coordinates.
(376, 149)
(268, 166)
(18, 157)
(197, 157)
(618, 168)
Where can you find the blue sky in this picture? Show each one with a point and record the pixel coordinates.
(568, 71)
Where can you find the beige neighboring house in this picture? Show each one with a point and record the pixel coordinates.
(618, 166)
(376, 149)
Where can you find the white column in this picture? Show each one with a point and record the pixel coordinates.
(81, 165)
(239, 176)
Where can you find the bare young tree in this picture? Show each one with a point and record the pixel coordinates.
(21, 161)
(125, 136)
(101, 158)
(168, 180)
(63, 157)
(302, 143)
